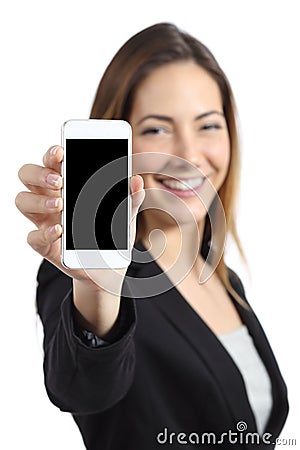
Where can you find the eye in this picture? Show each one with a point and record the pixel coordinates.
(154, 130)
(211, 126)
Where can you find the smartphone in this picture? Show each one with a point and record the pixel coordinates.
(96, 194)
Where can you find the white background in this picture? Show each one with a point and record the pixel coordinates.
(53, 55)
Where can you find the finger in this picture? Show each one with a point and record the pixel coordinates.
(42, 177)
(42, 240)
(30, 203)
(53, 158)
(136, 183)
(137, 192)
(137, 195)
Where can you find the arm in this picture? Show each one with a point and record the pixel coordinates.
(80, 379)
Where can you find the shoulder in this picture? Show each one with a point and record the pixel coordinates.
(236, 283)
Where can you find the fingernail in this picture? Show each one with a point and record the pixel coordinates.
(54, 229)
(142, 182)
(52, 203)
(54, 180)
(54, 150)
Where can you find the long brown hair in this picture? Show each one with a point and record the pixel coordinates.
(147, 50)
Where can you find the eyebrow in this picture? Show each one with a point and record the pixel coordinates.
(169, 119)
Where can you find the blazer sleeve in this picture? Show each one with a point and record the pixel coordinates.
(80, 379)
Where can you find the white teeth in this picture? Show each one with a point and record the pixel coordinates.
(183, 186)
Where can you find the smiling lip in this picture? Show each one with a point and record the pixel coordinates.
(191, 192)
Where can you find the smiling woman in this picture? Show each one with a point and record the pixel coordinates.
(151, 55)
(161, 350)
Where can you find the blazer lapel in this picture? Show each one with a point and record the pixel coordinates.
(212, 353)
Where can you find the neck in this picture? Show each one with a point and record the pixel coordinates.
(173, 247)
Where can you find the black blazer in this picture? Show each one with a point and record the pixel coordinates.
(167, 373)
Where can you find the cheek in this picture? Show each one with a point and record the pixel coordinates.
(220, 156)
(147, 159)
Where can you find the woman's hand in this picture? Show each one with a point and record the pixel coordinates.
(43, 205)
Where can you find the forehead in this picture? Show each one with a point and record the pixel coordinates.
(177, 87)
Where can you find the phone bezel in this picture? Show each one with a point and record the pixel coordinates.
(96, 129)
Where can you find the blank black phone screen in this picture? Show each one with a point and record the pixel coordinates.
(96, 194)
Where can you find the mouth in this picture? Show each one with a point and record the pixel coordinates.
(183, 187)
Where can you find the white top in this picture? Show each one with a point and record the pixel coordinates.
(241, 348)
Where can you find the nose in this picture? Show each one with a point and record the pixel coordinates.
(188, 148)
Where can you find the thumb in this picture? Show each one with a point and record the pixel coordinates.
(137, 193)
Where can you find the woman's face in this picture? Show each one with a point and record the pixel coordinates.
(177, 116)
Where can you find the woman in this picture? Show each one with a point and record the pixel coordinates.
(171, 361)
